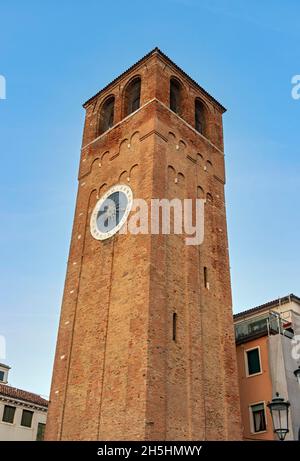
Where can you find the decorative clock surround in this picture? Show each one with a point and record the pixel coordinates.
(111, 212)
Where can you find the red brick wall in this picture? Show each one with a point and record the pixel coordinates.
(118, 374)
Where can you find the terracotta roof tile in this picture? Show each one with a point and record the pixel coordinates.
(19, 394)
(271, 304)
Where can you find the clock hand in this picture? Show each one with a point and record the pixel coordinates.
(102, 212)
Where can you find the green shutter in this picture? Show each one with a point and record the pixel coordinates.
(26, 418)
(253, 361)
(8, 414)
(40, 431)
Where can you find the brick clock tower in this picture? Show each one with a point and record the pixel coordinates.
(145, 347)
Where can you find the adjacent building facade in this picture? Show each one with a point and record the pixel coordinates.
(267, 355)
(136, 358)
(22, 414)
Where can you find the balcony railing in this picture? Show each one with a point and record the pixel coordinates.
(268, 324)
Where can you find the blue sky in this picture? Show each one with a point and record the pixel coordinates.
(55, 55)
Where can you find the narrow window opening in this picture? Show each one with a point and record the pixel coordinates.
(132, 96)
(258, 417)
(205, 276)
(174, 326)
(253, 361)
(199, 116)
(175, 96)
(107, 115)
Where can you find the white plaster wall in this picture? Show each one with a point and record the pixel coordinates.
(282, 366)
(17, 432)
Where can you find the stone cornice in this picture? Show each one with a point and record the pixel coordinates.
(22, 403)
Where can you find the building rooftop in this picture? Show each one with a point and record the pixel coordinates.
(165, 57)
(267, 306)
(2, 365)
(19, 394)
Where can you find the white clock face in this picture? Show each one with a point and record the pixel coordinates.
(111, 212)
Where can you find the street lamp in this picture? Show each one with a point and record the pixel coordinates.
(279, 409)
(297, 374)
